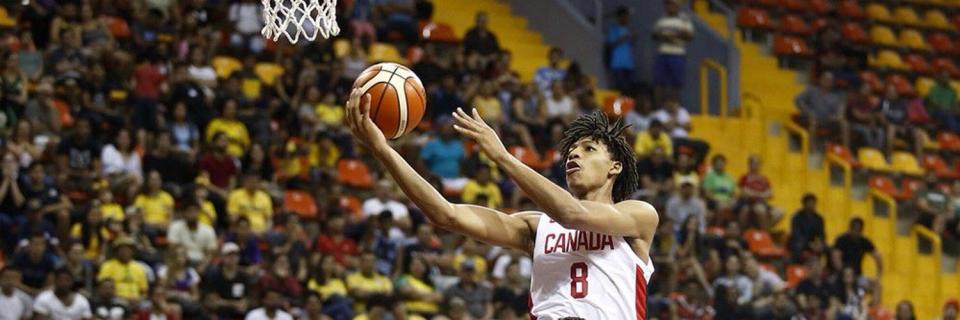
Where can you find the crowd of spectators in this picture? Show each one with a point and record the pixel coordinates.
(138, 182)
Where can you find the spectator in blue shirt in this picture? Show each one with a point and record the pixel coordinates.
(546, 75)
(443, 154)
(620, 43)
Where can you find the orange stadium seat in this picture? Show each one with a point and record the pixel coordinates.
(909, 186)
(798, 5)
(882, 35)
(819, 6)
(878, 12)
(918, 63)
(854, 32)
(880, 313)
(790, 46)
(352, 205)
(935, 163)
(301, 203)
(438, 31)
(905, 15)
(912, 39)
(955, 20)
(354, 173)
(118, 27)
(753, 18)
(949, 141)
(850, 9)
(936, 19)
(761, 243)
(873, 80)
(527, 156)
(843, 153)
(618, 106)
(941, 43)
(884, 184)
(945, 63)
(795, 24)
(795, 274)
(906, 163)
(819, 23)
(903, 85)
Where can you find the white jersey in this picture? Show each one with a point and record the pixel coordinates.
(587, 275)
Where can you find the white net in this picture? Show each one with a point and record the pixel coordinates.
(294, 19)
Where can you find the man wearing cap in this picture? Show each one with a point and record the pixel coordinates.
(228, 282)
(129, 276)
(687, 204)
(469, 289)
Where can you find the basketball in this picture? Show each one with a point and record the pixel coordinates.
(397, 97)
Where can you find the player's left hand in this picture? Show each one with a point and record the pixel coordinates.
(473, 127)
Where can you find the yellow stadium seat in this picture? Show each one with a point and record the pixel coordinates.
(906, 163)
(873, 159)
(268, 72)
(5, 20)
(936, 19)
(878, 12)
(911, 38)
(882, 35)
(385, 52)
(225, 65)
(905, 15)
(923, 85)
(341, 47)
(889, 59)
(956, 85)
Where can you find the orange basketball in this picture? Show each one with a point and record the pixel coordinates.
(398, 99)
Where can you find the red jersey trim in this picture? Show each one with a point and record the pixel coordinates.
(641, 302)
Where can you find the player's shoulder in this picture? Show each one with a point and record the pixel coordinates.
(637, 208)
(528, 215)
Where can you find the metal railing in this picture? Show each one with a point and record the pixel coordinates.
(721, 70)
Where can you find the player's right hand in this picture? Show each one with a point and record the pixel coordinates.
(361, 126)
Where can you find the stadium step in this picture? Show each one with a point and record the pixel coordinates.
(527, 46)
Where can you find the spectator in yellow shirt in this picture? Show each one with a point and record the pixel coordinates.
(367, 283)
(109, 208)
(252, 203)
(155, 204)
(488, 105)
(235, 130)
(653, 137)
(328, 112)
(481, 190)
(129, 276)
(208, 213)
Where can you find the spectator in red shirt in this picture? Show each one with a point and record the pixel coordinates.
(334, 243)
(281, 278)
(218, 167)
(753, 209)
(149, 82)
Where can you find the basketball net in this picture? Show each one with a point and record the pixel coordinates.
(294, 19)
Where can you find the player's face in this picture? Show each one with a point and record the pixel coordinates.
(589, 166)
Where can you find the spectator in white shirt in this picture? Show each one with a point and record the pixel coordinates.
(676, 119)
(14, 304)
(62, 302)
(271, 310)
(672, 31)
(200, 240)
(560, 106)
(383, 201)
(639, 120)
(247, 18)
(120, 162)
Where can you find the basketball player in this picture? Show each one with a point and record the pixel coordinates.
(590, 245)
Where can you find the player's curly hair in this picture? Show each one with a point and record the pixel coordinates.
(598, 127)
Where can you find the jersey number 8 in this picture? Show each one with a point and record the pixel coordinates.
(578, 280)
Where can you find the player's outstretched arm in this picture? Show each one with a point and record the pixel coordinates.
(628, 218)
(484, 224)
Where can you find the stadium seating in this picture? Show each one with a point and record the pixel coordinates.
(903, 85)
(754, 18)
(949, 141)
(878, 12)
(905, 15)
(854, 32)
(882, 35)
(923, 85)
(873, 159)
(225, 66)
(301, 203)
(918, 63)
(843, 153)
(268, 72)
(761, 243)
(912, 39)
(795, 274)
(791, 46)
(889, 59)
(934, 18)
(935, 163)
(873, 80)
(941, 43)
(850, 9)
(905, 163)
(947, 64)
(354, 173)
(796, 25)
